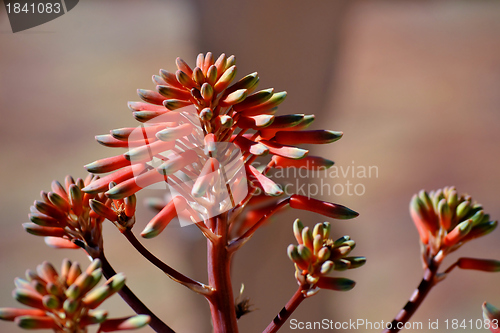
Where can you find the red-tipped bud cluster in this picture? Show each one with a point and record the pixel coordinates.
(64, 217)
(66, 302)
(70, 218)
(446, 220)
(316, 255)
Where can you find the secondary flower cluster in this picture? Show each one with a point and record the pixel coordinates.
(446, 220)
(66, 302)
(316, 255)
(69, 218)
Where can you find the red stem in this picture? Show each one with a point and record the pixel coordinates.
(285, 313)
(416, 299)
(171, 272)
(219, 277)
(133, 301)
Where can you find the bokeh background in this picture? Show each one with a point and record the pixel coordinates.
(414, 85)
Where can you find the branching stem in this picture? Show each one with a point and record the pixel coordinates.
(171, 272)
(219, 261)
(287, 310)
(133, 301)
(428, 281)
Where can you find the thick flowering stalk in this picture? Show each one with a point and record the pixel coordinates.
(315, 256)
(445, 221)
(200, 132)
(66, 302)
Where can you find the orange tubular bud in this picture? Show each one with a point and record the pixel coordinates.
(163, 218)
(337, 284)
(225, 79)
(268, 104)
(203, 181)
(60, 243)
(321, 207)
(424, 220)
(209, 61)
(108, 140)
(119, 176)
(170, 78)
(198, 76)
(285, 151)
(125, 324)
(268, 133)
(103, 210)
(183, 66)
(130, 204)
(141, 106)
(270, 187)
(254, 99)
(185, 79)
(210, 143)
(43, 231)
(485, 265)
(11, 313)
(158, 80)
(307, 137)
(219, 65)
(132, 185)
(234, 97)
(107, 164)
(308, 162)
(145, 116)
(174, 104)
(255, 122)
(59, 189)
(250, 146)
(459, 232)
(169, 92)
(44, 220)
(36, 322)
(174, 133)
(145, 153)
(178, 162)
(150, 96)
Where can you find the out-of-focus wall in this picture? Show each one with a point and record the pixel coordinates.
(417, 96)
(413, 86)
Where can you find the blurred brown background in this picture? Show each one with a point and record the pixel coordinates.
(413, 85)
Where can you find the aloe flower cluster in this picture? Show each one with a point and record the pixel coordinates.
(200, 132)
(316, 255)
(446, 220)
(66, 302)
(206, 130)
(63, 216)
(69, 218)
